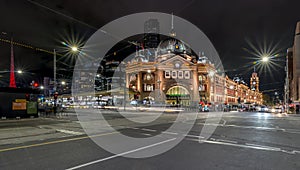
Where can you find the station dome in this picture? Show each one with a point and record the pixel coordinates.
(172, 45)
(139, 58)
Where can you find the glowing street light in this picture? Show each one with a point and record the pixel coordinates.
(20, 71)
(74, 48)
(70, 48)
(265, 59)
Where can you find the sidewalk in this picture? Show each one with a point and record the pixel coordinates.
(17, 131)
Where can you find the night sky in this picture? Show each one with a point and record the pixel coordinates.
(230, 25)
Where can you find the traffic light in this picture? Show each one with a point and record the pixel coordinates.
(55, 95)
(35, 84)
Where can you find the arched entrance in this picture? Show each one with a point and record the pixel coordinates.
(178, 96)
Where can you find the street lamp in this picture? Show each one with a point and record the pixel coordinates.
(72, 49)
(265, 59)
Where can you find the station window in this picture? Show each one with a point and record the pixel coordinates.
(187, 74)
(180, 74)
(174, 74)
(167, 74)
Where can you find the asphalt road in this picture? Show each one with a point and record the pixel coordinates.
(240, 141)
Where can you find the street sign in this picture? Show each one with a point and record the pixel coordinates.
(32, 108)
(20, 100)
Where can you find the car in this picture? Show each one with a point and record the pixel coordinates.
(277, 110)
(264, 109)
(134, 102)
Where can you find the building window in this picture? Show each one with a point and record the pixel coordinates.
(202, 88)
(180, 74)
(174, 74)
(167, 74)
(132, 77)
(148, 87)
(187, 74)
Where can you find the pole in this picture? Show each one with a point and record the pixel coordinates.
(124, 97)
(287, 87)
(54, 70)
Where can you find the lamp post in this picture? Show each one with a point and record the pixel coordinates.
(54, 70)
(158, 82)
(287, 86)
(72, 49)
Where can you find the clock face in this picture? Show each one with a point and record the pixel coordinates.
(254, 83)
(148, 77)
(177, 65)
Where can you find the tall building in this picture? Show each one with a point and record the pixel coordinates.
(151, 33)
(151, 38)
(293, 69)
(289, 94)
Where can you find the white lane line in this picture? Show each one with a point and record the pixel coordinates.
(224, 122)
(247, 145)
(228, 141)
(170, 133)
(194, 136)
(262, 146)
(245, 127)
(147, 134)
(134, 128)
(69, 132)
(120, 154)
(149, 130)
(266, 148)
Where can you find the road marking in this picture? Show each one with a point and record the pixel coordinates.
(262, 146)
(57, 141)
(147, 134)
(228, 141)
(120, 154)
(150, 130)
(267, 148)
(245, 127)
(246, 145)
(69, 132)
(170, 133)
(224, 122)
(194, 136)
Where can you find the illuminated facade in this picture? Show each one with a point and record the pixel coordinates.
(184, 79)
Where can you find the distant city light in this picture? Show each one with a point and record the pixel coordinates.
(20, 71)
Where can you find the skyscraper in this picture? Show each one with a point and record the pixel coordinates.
(151, 33)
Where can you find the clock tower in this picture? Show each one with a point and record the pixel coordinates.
(254, 82)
